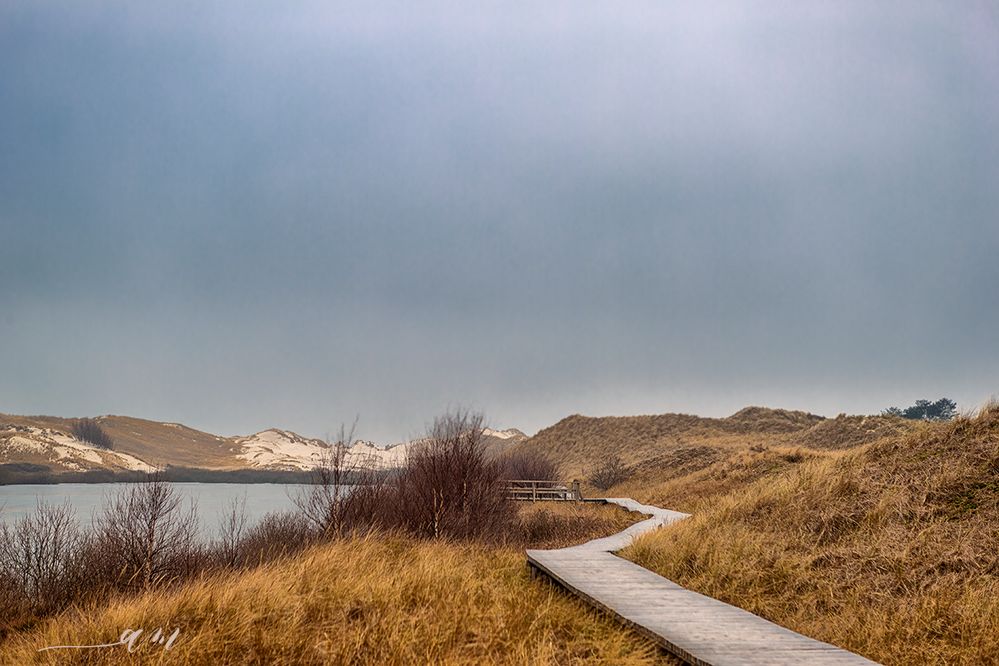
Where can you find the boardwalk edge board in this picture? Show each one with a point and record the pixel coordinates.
(698, 629)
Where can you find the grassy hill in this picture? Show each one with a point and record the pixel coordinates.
(888, 549)
(169, 443)
(677, 444)
(156, 443)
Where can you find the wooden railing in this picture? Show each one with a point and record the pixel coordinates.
(528, 490)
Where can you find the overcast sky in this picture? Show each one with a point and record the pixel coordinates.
(241, 217)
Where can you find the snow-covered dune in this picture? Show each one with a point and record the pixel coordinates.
(144, 445)
(48, 446)
(281, 449)
(511, 433)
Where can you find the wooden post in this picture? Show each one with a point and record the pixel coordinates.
(534, 491)
(576, 495)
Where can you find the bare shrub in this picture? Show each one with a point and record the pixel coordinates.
(38, 557)
(346, 490)
(145, 534)
(612, 472)
(90, 431)
(275, 535)
(232, 528)
(370, 501)
(449, 488)
(529, 465)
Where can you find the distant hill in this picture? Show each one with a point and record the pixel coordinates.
(143, 445)
(581, 443)
(652, 444)
(46, 444)
(154, 443)
(845, 432)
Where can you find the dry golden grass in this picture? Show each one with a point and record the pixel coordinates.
(731, 470)
(560, 524)
(889, 550)
(673, 445)
(378, 599)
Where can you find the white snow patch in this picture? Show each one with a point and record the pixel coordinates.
(501, 434)
(19, 443)
(279, 449)
(66, 451)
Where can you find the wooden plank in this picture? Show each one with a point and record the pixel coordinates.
(698, 629)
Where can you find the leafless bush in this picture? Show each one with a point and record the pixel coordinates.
(276, 535)
(528, 465)
(38, 558)
(449, 488)
(240, 545)
(346, 490)
(610, 473)
(89, 430)
(145, 534)
(144, 538)
(232, 528)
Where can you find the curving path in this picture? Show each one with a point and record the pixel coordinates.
(696, 628)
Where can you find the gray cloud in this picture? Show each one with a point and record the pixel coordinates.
(241, 217)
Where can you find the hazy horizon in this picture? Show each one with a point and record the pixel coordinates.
(238, 217)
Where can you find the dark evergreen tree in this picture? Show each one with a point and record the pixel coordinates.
(89, 430)
(943, 409)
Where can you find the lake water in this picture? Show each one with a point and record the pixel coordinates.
(213, 500)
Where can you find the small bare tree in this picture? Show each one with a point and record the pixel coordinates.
(37, 555)
(528, 465)
(146, 533)
(330, 503)
(232, 528)
(612, 472)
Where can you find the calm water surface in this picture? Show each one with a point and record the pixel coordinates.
(213, 500)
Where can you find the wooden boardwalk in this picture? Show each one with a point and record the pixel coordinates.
(696, 628)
